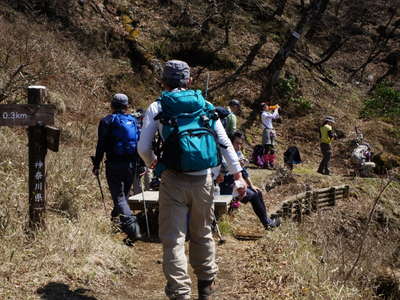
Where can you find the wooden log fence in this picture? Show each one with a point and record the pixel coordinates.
(297, 206)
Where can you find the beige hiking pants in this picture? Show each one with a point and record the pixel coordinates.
(186, 203)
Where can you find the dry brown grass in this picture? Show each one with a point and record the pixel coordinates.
(311, 260)
(77, 248)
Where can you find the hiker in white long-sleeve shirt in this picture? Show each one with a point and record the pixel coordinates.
(267, 116)
(186, 187)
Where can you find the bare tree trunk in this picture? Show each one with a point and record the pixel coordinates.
(280, 7)
(379, 46)
(393, 59)
(210, 13)
(227, 28)
(335, 46)
(302, 4)
(271, 73)
(318, 16)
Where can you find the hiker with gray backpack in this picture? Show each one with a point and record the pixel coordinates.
(117, 138)
(193, 140)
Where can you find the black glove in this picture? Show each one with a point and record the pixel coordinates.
(96, 171)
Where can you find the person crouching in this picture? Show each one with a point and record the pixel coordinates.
(252, 194)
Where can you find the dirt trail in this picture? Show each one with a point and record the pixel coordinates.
(149, 282)
(232, 256)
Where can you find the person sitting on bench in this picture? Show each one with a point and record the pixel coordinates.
(253, 194)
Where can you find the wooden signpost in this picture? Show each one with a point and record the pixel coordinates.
(41, 137)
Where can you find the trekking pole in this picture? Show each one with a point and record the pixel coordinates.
(207, 81)
(141, 179)
(100, 187)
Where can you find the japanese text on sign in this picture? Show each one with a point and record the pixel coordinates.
(38, 188)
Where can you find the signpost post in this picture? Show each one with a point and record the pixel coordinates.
(41, 137)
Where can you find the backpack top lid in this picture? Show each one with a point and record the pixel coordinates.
(186, 107)
(182, 102)
(222, 112)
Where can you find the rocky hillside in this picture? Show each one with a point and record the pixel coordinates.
(344, 64)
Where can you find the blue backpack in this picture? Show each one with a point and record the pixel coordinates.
(189, 140)
(125, 134)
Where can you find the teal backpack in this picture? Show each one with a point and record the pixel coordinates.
(189, 139)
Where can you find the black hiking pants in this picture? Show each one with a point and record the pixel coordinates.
(120, 176)
(326, 150)
(256, 200)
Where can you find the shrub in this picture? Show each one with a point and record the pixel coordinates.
(303, 104)
(384, 102)
(287, 87)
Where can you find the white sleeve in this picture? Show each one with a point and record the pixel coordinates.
(147, 134)
(263, 118)
(275, 114)
(228, 153)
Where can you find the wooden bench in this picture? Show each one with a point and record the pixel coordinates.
(221, 202)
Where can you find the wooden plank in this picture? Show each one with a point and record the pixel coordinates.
(314, 202)
(325, 205)
(295, 197)
(247, 236)
(325, 201)
(330, 192)
(346, 192)
(333, 200)
(290, 210)
(221, 202)
(26, 114)
(325, 194)
(53, 138)
(308, 203)
(329, 198)
(285, 210)
(151, 196)
(328, 189)
(139, 205)
(298, 210)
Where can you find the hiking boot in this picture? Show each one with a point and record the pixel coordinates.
(275, 222)
(206, 289)
(133, 231)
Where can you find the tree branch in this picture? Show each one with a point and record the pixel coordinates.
(246, 64)
(371, 213)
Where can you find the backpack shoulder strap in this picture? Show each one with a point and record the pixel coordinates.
(159, 115)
